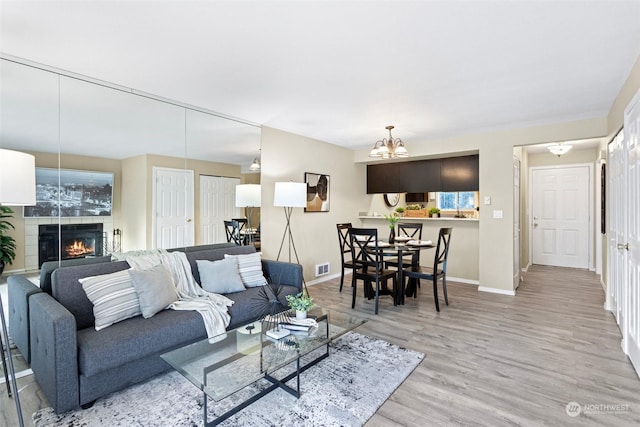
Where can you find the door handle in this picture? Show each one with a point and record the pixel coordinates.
(189, 220)
(535, 224)
(625, 246)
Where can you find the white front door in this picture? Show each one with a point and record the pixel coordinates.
(217, 203)
(560, 212)
(173, 204)
(631, 243)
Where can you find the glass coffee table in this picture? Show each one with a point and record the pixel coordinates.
(225, 364)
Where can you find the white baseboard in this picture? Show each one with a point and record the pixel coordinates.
(497, 291)
(460, 280)
(325, 278)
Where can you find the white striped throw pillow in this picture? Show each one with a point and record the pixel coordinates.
(113, 297)
(250, 268)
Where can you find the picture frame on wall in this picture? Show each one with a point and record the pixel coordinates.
(71, 193)
(318, 192)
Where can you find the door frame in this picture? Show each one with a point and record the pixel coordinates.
(591, 201)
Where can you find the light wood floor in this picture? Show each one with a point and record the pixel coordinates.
(491, 360)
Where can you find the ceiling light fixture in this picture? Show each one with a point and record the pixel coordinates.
(389, 148)
(560, 148)
(255, 166)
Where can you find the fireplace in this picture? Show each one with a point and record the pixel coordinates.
(77, 241)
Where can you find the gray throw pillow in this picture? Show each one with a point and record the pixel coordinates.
(220, 277)
(113, 297)
(155, 289)
(250, 267)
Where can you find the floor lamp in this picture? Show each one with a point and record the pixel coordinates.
(17, 188)
(289, 195)
(248, 196)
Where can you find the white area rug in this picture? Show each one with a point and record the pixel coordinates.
(345, 389)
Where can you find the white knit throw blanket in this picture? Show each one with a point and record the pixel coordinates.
(212, 307)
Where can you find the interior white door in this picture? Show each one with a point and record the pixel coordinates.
(617, 226)
(217, 203)
(631, 245)
(560, 210)
(516, 223)
(173, 202)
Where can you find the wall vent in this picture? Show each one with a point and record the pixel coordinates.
(322, 269)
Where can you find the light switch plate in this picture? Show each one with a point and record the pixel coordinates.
(497, 214)
(487, 200)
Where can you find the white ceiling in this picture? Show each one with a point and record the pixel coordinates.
(342, 71)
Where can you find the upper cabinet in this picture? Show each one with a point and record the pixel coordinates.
(448, 174)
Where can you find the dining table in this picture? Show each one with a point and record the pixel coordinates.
(400, 248)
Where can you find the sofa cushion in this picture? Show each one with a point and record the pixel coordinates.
(47, 268)
(250, 268)
(67, 289)
(221, 276)
(247, 304)
(113, 297)
(137, 338)
(155, 289)
(215, 254)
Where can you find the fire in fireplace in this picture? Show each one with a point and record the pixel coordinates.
(76, 241)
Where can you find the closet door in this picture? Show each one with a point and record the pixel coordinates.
(631, 243)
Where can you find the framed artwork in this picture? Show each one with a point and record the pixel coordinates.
(317, 192)
(71, 193)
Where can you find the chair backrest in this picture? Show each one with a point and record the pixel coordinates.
(410, 229)
(365, 246)
(242, 222)
(232, 230)
(343, 239)
(442, 250)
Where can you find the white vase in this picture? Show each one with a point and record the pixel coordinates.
(301, 314)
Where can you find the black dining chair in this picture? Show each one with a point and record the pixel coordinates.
(369, 265)
(439, 269)
(232, 230)
(413, 231)
(347, 259)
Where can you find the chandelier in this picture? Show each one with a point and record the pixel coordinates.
(389, 148)
(560, 148)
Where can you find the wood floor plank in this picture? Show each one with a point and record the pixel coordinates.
(491, 360)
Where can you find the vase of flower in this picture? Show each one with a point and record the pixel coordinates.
(300, 314)
(301, 303)
(392, 220)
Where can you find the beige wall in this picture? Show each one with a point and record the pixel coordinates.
(137, 230)
(286, 157)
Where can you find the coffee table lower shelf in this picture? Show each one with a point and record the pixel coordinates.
(275, 384)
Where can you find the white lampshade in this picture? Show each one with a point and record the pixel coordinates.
(17, 178)
(290, 194)
(248, 195)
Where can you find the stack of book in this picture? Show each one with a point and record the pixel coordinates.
(299, 326)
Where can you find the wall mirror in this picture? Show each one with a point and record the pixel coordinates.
(73, 123)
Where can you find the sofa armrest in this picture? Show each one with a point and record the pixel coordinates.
(54, 351)
(282, 273)
(19, 290)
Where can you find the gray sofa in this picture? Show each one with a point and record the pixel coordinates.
(74, 364)
(20, 290)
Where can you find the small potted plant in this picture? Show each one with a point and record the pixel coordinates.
(393, 220)
(301, 303)
(7, 243)
(400, 210)
(434, 212)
